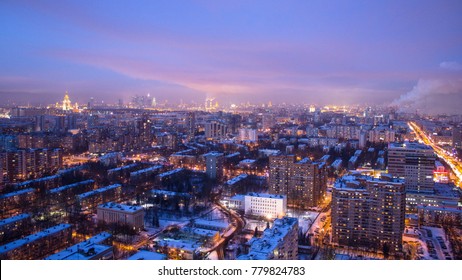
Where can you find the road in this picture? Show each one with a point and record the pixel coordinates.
(454, 164)
(239, 225)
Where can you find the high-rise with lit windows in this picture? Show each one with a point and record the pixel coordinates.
(368, 212)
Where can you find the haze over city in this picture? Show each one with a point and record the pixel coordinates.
(400, 53)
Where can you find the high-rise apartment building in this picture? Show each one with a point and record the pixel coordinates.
(22, 164)
(303, 182)
(368, 212)
(414, 162)
(214, 165)
(215, 130)
(280, 167)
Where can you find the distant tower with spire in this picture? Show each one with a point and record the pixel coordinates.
(67, 103)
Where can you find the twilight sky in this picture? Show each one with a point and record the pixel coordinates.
(408, 53)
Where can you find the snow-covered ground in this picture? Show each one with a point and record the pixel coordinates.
(429, 242)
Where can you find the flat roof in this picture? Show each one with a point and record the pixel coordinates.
(236, 179)
(170, 193)
(14, 219)
(266, 195)
(97, 191)
(171, 172)
(305, 160)
(212, 154)
(62, 188)
(409, 145)
(213, 223)
(447, 190)
(123, 167)
(81, 251)
(233, 155)
(147, 255)
(120, 207)
(271, 237)
(353, 182)
(38, 180)
(149, 169)
(32, 238)
(10, 194)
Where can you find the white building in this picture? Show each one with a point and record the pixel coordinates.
(260, 204)
(122, 214)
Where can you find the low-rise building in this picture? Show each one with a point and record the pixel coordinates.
(37, 245)
(97, 247)
(279, 242)
(121, 214)
(260, 204)
(90, 200)
(15, 227)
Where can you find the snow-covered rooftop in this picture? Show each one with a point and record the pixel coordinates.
(120, 207)
(32, 238)
(10, 194)
(14, 219)
(237, 179)
(97, 191)
(83, 250)
(171, 172)
(62, 188)
(147, 255)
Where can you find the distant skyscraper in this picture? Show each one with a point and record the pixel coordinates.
(67, 103)
(368, 212)
(415, 163)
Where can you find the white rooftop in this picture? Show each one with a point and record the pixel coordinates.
(16, 193)
(266, 195)
(147, 255)
(264, 246)
(171, 172)
(83, 250)
(97, 191)
(14, 219)
(62, 188)
(33, 237)
(236, 179)
(120, 207)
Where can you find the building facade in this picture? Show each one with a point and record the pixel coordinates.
(121, 214)
(414, 162)
(303, 182)
(368, 213)
(214, 165)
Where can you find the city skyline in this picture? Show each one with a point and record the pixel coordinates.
(401, 54)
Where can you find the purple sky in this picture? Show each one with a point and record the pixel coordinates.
(336, 52)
